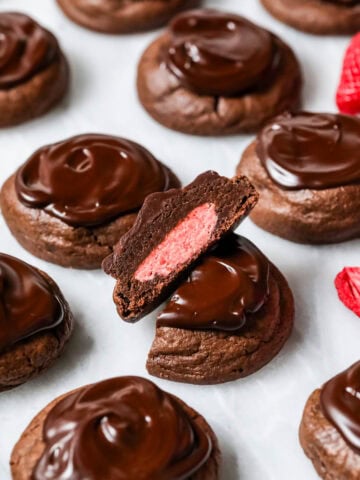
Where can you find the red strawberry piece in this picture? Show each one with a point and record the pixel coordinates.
(348, 92)
(347, 284)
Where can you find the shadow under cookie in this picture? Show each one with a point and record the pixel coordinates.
(172, 103)
(317, 16)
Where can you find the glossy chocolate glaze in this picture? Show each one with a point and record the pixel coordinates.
(340, 403)
(227, 284)
(122, 428)
(217, 53)
(25, 49)
(311, 150)
(29, 304)
(89, 180)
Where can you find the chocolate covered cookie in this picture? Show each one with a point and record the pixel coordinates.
(330, 427)
(306, 167)
(72, 201)
(317, 16)
(34, 74)
(216, 73)
(172, 230)
(122, 16)
(121, 428)
(228, 319)
(35, 322)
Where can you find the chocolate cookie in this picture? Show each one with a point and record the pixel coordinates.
(228, 319)
(307, 170)
(125, 427)
(317, 16)
(172, 230)
(72, 201)
(330, 427)
(35, 322)
(34, 74)
(122, 16)
(216, 73)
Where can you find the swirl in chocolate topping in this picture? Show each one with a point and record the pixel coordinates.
(28, 302)
(226, 286)
(217, 53)
(122, 428)
(340, 403)
(25, 49)
(89, 180)
(311, 150)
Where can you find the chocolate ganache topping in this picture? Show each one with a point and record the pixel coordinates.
(311, 150)
(228, 284)
(122, 428)
(340, 403)
(25, 49)
(89, 180)
(217, 53)
(28, 302)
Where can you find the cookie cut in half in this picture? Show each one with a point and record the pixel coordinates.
(173, 229)
(121, 428)
(228, 319)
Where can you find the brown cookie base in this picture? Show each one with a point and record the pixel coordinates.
(210, 357)
(28, 358)
(52, 240)
(36, 96)
(130, 16)
(316, 16)
(331, 456)
(178, 108)
(30, 446)
(303, 216)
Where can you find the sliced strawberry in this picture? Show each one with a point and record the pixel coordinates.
(348, 92)
(347, 284)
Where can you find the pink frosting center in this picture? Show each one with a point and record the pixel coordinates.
(182, 243)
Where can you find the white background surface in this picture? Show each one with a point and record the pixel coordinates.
(256, 419)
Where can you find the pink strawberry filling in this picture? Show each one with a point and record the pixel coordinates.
(180, 244)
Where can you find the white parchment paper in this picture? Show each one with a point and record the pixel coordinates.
(256, 419)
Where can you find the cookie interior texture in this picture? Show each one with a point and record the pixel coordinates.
(171, 102)
(123, 16)
(172, 230)
(316, 16)
(30, 454)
